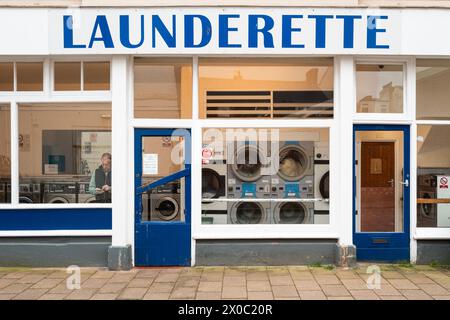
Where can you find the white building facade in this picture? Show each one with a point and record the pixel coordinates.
(240, 135)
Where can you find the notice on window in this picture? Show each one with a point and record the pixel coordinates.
(150, 163)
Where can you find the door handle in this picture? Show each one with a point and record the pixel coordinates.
(391, 182)
(405, 183)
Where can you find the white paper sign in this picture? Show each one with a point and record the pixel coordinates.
(50, 168)
(150, 163)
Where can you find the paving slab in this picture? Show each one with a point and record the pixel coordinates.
(234, 283)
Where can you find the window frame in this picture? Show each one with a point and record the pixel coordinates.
(16, 98)
(408, 90)
(82, 60)
(197, 124)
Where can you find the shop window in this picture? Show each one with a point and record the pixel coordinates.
(30, 76)
(6, 76)
(67, 76)
(96, 75)
(265, 176)
(5, 154)
(433, 89)
(379, 88)
(163, 88)
(266, 88)
(64, 161)
(433, 175)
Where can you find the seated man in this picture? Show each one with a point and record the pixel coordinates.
(100, 184)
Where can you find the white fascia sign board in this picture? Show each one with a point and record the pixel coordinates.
(209, 30)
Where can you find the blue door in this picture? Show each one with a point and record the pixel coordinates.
(162, 197)
(381, 191)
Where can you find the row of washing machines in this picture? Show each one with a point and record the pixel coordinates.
(41, 191)
(241, 193)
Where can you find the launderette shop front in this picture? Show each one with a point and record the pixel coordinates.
(224, 136)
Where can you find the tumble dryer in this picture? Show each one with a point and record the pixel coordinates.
(214, 180)
(321, 183)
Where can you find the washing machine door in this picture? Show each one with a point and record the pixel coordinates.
(294, 162)
(247, 163)
(426, 209)
(213, 184)
(25, 200)
(58, 200)
(324, 185)
(167, 208)
(290, 213)
(248, 213)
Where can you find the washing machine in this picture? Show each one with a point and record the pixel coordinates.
(60, 192)
(29, 191)
(297, 212)
(249, 212)
(84, 196)
(426, 212)
(321, 183)
(214, 180)
(3, 197)
(164, 203)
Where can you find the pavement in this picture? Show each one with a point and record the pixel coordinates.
(317, 282)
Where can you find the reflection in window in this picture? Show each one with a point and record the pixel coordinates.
(5, 154)
(379, 88)
(433, 89)
(266, 88)
(163, 88)
(6, 76)
(96, 75)
(30, 76)
(64, 161)
(67, 76)
(265, 176)
(433, 175)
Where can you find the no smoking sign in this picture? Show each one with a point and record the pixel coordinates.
(207, 154)
(443, 183)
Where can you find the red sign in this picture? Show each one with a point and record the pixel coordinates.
(443, 183)
(206, 155)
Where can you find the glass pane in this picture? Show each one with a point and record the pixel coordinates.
(67, 76)
(265, 176)
(379, 88)
(6, 76)
(163, 88)
(433, 175)
(65, 161)
(163, 156)
(30, 76)
(379, 173)
(96, 75)
(5, 154)
(433, 89)
(266, 88)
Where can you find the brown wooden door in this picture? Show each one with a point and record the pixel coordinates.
(377, 187)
